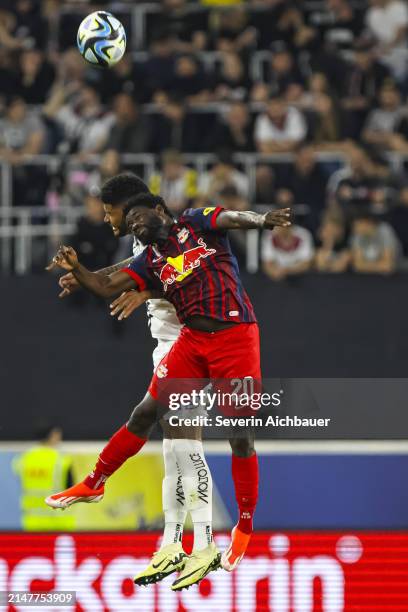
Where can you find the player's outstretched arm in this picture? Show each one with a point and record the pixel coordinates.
(69, 283)
(248, 219)
(102, 285)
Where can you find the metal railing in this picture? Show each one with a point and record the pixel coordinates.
(20, 225)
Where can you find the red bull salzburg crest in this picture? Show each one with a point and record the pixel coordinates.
(177, 268)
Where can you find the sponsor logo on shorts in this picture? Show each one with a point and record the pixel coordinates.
(162, 371)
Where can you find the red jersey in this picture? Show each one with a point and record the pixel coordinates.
(195, 269)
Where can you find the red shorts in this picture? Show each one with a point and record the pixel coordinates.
(226, 354)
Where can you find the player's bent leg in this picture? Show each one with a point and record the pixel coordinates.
(125, 443)
(235, 353)
(78, 493)
(174, 503)
(171, 556)
(245, 475)
(197, 485)
(144, 416)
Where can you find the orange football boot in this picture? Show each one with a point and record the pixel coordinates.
(239, 543)
(78, 493)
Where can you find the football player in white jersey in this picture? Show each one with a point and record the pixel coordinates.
(182, 447)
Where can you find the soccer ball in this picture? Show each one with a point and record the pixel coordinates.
(101, 39)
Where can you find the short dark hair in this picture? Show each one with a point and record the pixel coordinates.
(365, 214)
(229, 191)
(149, 200)
(275, 97)
(43, 430)
(118, 189)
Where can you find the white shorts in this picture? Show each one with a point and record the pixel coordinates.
(162, 348)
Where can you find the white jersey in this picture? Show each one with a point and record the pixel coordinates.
(163, 321)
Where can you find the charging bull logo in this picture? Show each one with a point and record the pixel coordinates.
(177, 268)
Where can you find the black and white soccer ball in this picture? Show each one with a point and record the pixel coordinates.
(101, 39)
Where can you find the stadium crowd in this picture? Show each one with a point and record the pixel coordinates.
(314, 94)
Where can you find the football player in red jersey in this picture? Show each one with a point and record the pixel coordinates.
(190, 261)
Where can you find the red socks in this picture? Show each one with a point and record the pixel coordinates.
(246, 476)
(122, 445)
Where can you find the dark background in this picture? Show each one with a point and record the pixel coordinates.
(74, 366)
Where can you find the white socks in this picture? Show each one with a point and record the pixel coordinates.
(197, 485)
(174, 505)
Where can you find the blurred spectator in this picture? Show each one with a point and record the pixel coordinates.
(231, 81)
(189, 81)
(22, 26)
(399, 219)
(286, 251)
(231, 30)
(306, 185)
(159, 67)
(265, 185)
(80, 179)
(362, 183)
(187, 27)
(93, 240)
(273, 21)
(8, 79)
(71, 70)
(35, 77)
(319, 102)
(21, 132)
(333, 254)
(41, 469)
(85, 123)
(174, 128)
(230, 198)
(382, 125)
(125, 77)
(363, 78)
(108, 167)
(375, 248)
(21, 136)
(200, 201)
(177, 183)
(223, 174)
(387, 20)
(7, 25)
(129, 133)
(283, 77)
(339, 23)
(280, 128)
(234, 131)
(222, 3)
(296, 27)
